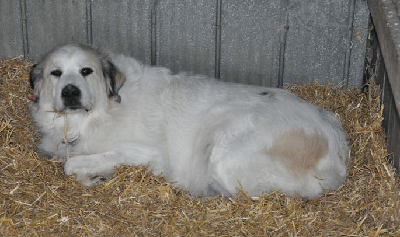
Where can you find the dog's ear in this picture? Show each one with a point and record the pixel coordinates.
(114, 79)
(36, 80)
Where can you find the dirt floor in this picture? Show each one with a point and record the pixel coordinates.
(37, 199)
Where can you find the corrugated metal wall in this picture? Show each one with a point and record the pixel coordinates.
(11, 42)
(320, 41)
(185, 35)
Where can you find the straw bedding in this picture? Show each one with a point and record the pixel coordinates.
(36, 199)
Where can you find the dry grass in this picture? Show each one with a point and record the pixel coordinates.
(36, 199)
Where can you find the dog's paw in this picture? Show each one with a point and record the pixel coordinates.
(90, 170)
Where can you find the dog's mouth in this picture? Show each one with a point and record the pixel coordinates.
(75, 109)
(72, 110)
(73, 106)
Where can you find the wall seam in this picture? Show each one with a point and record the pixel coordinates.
(349, 43)
(89, 22)
(24, 29)
(218, 41)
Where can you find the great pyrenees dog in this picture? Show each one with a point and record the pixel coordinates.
(96, 111)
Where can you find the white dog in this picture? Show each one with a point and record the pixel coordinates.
(95, 112)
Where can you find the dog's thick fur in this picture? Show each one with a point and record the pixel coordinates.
(207, 136)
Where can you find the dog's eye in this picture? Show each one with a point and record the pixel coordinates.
(86, 71)
(56, 73)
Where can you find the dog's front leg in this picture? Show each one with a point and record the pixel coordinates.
(92, 169)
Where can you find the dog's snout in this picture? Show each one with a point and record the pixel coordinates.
(71, 95)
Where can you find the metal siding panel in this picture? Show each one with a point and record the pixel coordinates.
(394, 135)
(391, 122)
(54, 22)
(359, 44)
(388, 111)
(387, 99)
(123, 26)
(11, 43)
(387, 25)
(316, 41)
(186, 35)
(395, 140)
(251, 32)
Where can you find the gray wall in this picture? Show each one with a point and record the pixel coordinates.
(316, 42)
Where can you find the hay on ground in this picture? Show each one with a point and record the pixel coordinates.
(37, 199)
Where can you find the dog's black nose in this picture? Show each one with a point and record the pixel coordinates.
(71, 96)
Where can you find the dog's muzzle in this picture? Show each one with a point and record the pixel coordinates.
(71, 95)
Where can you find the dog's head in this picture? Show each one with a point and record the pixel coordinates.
(74, 78)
